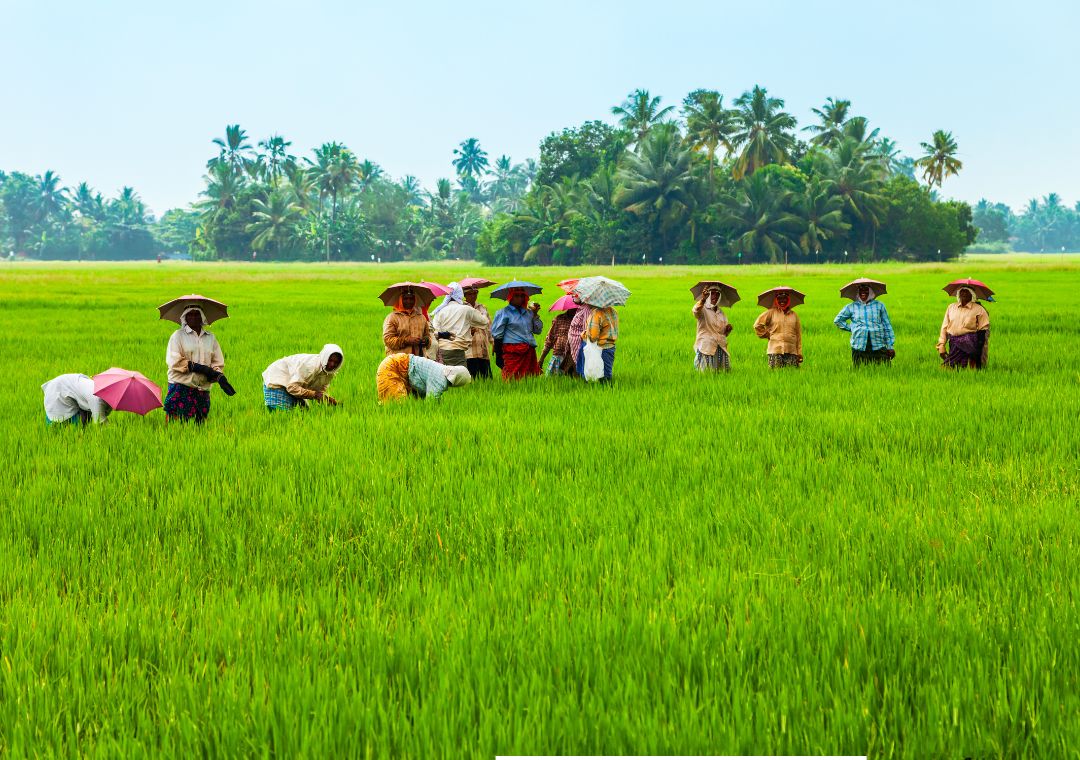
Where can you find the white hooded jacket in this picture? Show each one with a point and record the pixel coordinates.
(303, 375)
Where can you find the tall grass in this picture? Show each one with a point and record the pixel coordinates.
(811, 561)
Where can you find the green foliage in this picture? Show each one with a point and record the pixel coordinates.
(580, 152)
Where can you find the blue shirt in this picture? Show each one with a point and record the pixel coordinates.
(866, 320)
(426, 377)
(515, 325)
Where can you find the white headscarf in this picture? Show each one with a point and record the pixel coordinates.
(457, 376)
(324, 356)
(456, 294)
(969, 290)
(183, 319)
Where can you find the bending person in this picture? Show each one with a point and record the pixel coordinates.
(70, 399)
(297, 380)
(402, 375)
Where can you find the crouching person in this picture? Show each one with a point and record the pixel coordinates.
(403, 375)
(300, 379)
(70, 399)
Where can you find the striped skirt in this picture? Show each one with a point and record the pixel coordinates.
(718, 362)
(278, 399)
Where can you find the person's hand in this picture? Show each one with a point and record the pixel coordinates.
(330, 400)
(728, 329)
(445, 335)
(890, 353)
(319, 395)
(943, 355)
(534, 307)
(800, 358)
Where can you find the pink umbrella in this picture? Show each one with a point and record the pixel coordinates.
(565, 304)
(475, 282)
(569, 285)
(982, 292)
(127, 391)
(436, 288)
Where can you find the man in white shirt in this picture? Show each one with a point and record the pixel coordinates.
(453, 322)
(71, 399)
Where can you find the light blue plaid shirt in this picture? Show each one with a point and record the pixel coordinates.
(866, 320)
(426, 377)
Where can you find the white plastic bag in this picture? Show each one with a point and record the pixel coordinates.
(594, 361)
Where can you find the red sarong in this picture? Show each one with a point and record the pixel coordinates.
(519, 360)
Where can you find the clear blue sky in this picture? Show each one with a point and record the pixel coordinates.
(131, 93)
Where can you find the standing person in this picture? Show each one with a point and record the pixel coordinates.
(965, 332)
(70, 399)
(780, 326)
(558, 345)
(297, 380)
(402, 375)
(195, 361)
(713, 328)
(476, 355)
(406, 330)
(576, 335)
(867, 319)
(513, 329)
(454, 322)
(603, 330)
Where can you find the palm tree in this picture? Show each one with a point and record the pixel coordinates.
(857, 176)
(88, 203)
(889, 152)
(639, 113)
(858, 128)
(940, 161)
(822, 212)
(708, 126)
(370, 172)
(758, 217)
(335, 172)
(833, 115)
(546, 219)
(472, 160)
(277, 156)
(275, 221)
(301, 186)
(414, 194)
(234, 149)
(50, 197)
(764, 135)
(127, 208)
(655, 181)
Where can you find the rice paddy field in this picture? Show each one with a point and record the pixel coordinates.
(825, 560)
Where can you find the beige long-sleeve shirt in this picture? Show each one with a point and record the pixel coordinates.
(398, 328)
(458, 319)
(961, 320)
(302, 375)
(481, 337)
(187, 346)
(712, 326)
(783, 330)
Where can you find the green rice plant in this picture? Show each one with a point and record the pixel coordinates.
(825, 560)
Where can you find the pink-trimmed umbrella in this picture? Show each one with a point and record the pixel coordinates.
(211, 309)
(982, 292)
(475, 282)
(569, 285)
(566, 303)
(127, 391)
(436, 288)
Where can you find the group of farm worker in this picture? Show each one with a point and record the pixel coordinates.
(451, 346)
(425, 356)
(962, 343)
(194, 364)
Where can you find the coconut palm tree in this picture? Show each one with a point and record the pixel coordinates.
(888, 151)
(277, 156)
(822, 213)
(639, 113)
(655, 181)
(764, 134)
(414, 194)
(234, 149)
(761, 224)
(833, 115)
(50, 197)
(471, 160)
(857, 176)
(89, 204)
(858, 128)
(708, 126)
(335, 172)
(275, 221)
(940, 161)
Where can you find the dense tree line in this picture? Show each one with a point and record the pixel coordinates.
(705, 182)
